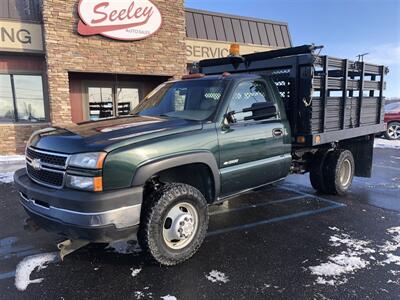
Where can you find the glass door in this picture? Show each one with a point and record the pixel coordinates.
(100, 102)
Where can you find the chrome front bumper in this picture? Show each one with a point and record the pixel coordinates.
(96, 217)
(121, 218)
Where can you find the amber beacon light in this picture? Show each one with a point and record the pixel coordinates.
(234, 50)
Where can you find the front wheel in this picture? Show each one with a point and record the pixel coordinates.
(393, 131)
(174, 223)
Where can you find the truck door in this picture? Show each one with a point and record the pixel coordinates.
(252, 153)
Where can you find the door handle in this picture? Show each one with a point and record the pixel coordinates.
(277, 132)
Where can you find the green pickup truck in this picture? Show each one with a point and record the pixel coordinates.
(200, 141)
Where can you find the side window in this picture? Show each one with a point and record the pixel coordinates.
(247, 93)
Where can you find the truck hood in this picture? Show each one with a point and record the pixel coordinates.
(108, 134)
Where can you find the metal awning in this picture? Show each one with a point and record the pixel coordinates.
(208, 25)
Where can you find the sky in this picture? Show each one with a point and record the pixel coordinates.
(345, 27)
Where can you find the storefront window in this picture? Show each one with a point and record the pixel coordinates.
(29, 98)
(106, 101)
(127, 99)
(6, 99)
(21, 98)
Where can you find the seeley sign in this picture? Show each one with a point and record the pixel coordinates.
(126, 20)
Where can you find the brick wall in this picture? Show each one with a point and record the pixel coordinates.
(13, 137)
(160, 54)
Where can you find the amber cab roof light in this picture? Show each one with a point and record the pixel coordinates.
(193, 76)
(234, 50)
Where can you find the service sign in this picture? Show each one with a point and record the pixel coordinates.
(126, 20)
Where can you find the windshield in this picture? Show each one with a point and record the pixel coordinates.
(192, 99)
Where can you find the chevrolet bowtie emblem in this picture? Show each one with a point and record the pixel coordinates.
(36, 164)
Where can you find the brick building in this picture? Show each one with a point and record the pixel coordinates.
(54, 74)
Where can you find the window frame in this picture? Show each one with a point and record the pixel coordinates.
(46, 102)
(269, 93)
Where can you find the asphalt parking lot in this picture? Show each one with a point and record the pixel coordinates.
(283, 242)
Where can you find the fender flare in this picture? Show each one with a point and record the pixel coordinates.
(145, 171)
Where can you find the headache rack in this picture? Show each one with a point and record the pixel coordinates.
(327, 99)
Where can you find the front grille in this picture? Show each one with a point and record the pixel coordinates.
(46, 177)
(47, 158)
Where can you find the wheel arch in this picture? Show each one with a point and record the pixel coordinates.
(197, 165)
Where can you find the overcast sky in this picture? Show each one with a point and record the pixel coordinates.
(345, 27)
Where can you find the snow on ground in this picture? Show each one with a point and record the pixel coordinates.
(216, 276)
(169, 297)
(383, 143)
(143, 295)
(125, 247)
(28, 265)
(334, 271)
(391, 246)
(7, 177)
(135, 272)
(357, 255)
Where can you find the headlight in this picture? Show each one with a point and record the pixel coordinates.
(93, 160)
(93, 184)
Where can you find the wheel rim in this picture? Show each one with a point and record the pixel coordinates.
(394, 132)
(180, 225)
(345, 172)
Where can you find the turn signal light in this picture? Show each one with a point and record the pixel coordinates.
(234, 50)
(98, 184)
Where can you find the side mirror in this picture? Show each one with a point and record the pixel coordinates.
(261, 111)
(230, 117)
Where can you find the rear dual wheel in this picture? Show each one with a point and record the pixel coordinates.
(332, 172)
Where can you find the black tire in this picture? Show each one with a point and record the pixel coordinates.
(316, 172)
(393, 131)
(337, 162)
(153, 220)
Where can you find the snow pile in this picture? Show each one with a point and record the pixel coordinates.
(216, 276)
(135, 272)
(382, 143)
(7, 177)
(125, 247)
(28, 265)
(169, 297)
(349, 261)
